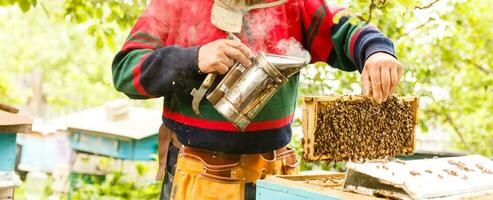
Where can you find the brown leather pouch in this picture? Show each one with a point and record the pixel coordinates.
(290, 162)
(197, 179)
(216, 187)
(203, 174)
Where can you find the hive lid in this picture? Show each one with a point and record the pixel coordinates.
(453, 177)
(139, 124)
(14, 123)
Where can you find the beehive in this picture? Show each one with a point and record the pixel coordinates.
(342, 128)
(303, 187)
(10, 125)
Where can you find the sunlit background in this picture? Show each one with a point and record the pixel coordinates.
(56, 55)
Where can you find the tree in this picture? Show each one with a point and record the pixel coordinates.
(75, 74)
(444, 45)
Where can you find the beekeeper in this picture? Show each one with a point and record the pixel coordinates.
(175, 43)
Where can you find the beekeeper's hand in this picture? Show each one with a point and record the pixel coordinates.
(381, 75)
(219, 56)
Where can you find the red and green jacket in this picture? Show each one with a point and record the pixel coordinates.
(159, 59)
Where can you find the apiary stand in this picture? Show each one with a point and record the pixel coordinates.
(10, 125)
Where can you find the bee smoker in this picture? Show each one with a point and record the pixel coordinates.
(242, 93)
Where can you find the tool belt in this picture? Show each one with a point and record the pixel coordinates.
(202, 174)
(165, 137)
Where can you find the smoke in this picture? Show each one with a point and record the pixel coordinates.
(267, 26)
(291, 47)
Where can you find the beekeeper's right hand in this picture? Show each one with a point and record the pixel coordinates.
(219, 56)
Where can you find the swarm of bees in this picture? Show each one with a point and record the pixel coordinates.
(362, 129)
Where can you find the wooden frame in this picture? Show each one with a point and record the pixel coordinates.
(309, 119)
(7, 193)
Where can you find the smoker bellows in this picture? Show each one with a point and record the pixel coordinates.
(341, 128)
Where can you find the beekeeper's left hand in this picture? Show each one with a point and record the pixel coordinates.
(381, 75)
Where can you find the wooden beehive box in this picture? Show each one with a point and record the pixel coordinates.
(303, 187)
(133, 137)
(341, 128)
(10, 125)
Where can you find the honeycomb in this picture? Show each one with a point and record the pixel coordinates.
(361, 129)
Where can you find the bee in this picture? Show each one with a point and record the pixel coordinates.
(414, 173)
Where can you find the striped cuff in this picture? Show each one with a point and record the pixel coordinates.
(368, 42)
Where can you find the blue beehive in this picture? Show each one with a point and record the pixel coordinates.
(10, 125)
(129, 136)
(304, 187)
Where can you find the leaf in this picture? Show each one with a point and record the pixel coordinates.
(354, 20)
(99, 12)
(99, 41)
(24, 5)
(406, 3)
(6, 3)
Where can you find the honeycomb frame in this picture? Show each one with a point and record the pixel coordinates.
(313, 143)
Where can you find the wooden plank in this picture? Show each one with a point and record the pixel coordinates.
(308, 124)
(310, 108)
(13, 119)
(7, 193)
(14, 123)
(311, 177)
(14, 129)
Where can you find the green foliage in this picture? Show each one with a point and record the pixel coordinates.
(24, 5)
(115, 186)
(75, 75)
(21, 192)
(104, 17)
(305, 166)
(444, 45)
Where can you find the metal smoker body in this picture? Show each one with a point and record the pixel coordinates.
(243, 92)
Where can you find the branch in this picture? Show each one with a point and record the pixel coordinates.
(416, 28)
(427, 5)
(479, 67)
(8, 108)
(456, 129)
(454, 126)
(370, 8)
